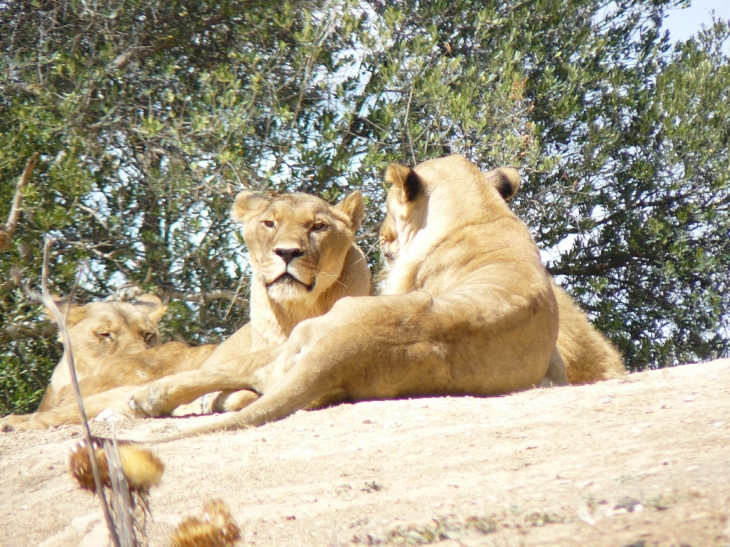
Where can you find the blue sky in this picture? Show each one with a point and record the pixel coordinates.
(683, 23)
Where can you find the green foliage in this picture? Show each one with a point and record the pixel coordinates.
(149, 116)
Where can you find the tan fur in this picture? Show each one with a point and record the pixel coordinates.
(467, 309)
(100, 330)
(110, 341)
(587, 355)
(108, 380)
(304, 259)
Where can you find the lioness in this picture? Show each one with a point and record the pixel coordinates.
(100, 330)
(331, 266)
(110, 342)
(468, 308)
(587, 355)
(304, 258)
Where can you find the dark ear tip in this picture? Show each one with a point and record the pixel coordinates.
(406, 178)
(413, 185)
(507, 181)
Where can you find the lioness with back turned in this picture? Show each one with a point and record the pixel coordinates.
(587, 355)
(467, 307)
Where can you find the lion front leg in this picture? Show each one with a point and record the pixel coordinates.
(163, 396)
(113, 401)
(42, 419)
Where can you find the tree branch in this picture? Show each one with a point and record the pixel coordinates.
(141, 52)
(7, 232)
(592, 269)
(204, 296)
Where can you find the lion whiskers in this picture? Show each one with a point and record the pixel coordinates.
(337, 277)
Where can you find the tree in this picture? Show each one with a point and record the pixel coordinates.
(149, 116)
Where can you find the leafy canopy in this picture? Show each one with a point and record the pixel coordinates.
(150, 116)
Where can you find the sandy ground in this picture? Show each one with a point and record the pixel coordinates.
(639, 462)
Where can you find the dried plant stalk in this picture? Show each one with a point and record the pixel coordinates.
(68, 352)
(127, 473)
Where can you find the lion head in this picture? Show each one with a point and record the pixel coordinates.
(297, 242)
(99, 330)
(429, 203)
(505, 180)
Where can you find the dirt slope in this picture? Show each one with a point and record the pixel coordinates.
(639, 462)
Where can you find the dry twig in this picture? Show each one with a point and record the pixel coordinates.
(49, 303)
(8, 230)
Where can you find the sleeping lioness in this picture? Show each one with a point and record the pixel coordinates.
(467, 308)
(302, 265)
(116, 347)
(100, 330)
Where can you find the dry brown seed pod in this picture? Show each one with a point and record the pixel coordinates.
(141, 467)
(79, 465)
(215, 529)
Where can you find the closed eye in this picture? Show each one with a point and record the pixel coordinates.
(108, 336)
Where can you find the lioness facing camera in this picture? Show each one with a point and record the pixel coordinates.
(304, 258)
(468, 307)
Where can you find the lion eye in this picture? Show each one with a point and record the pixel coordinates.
(268, 223)
(149, 336)
(319, 227)
(108, 336)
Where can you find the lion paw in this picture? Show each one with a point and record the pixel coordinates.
(110, 415)
(147, 402)
(209, 401)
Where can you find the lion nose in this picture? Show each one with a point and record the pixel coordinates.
(287, 255)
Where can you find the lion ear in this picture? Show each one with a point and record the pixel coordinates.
(151, 306)
(506, 180)
(247, 206)
(406, 179)
(71, 312)
(353, 206)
